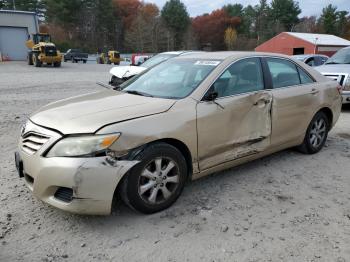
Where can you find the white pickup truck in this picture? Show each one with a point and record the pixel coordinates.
(338, 68)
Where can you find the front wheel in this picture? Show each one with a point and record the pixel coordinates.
(36, 60)
(157, 181)
(57, 64)
(316, 134)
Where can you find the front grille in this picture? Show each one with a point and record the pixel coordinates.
(50, 51)
(32, 142)
(64, 194)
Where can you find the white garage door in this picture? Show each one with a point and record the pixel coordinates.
(12, 42)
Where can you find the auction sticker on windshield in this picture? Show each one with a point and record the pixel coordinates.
(208, 63)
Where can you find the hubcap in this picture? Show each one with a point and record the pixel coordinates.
(159, 180)
(318, 132)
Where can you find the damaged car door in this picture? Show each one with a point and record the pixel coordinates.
(234, 116)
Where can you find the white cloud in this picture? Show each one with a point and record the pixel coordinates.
(309, 7)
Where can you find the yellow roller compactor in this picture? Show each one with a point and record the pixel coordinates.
(42, 50)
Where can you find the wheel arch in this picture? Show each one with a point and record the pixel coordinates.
(328, 112)
(179, 145)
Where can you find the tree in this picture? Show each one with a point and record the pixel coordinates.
(285, 12)
(307, 24)
(36, 6)
(333, 21)
(262, 21)
(230, 38)
(176, 18)
(210, 29)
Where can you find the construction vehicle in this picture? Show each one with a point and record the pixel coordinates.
(112, 57)
(42, 50)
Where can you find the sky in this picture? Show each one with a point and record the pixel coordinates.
(308, 7)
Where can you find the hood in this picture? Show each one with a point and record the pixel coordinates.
(88, 113)
(126, 71)
(337, 68)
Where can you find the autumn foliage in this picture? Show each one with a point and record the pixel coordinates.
(210, 28)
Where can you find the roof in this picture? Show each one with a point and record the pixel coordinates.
(17, 12)
(321, 39)
(222, 55)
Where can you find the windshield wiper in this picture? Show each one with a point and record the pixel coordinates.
(134, 92)
(332, 63)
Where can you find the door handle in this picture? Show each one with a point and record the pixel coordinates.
(262, 100)
(314, 91)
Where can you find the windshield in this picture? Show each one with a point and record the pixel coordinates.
(157, 59)
(340, 57)
(175, 78)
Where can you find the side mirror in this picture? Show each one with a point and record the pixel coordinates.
(211, 96)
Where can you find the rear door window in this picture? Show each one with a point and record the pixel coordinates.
(304, 77)
(283, 72)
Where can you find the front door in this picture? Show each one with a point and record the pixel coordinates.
(238, 122)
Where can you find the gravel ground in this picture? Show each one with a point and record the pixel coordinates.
(285, 207)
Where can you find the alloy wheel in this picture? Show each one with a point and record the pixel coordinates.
(318, 132)
(159, 180)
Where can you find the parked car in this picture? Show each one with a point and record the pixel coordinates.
(120, 74)
(75, 55)
(338, 68)
(182, 119)
(312, 60)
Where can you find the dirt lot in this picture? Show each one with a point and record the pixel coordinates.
(285, 207)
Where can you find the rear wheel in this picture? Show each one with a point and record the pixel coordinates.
(316, 134)
(57, 64)
(84, 61)
(157, 181)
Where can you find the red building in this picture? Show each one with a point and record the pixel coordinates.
(303, 43)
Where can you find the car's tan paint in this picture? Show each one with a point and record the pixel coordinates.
(218, 135)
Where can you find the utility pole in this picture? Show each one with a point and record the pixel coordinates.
(14, 4)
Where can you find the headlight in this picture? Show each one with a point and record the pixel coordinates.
(82, 145)
(347, 84)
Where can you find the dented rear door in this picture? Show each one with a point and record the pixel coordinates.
(238, 123)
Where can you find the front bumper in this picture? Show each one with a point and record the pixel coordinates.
(91, 181)
(346, 97)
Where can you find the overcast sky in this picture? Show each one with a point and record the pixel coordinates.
(308, 7)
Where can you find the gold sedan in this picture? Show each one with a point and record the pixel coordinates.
(183, 119)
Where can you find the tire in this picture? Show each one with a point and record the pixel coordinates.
(36, 61)
(157, 181)
(116, 81)
(57, 64)
(116, 63)
(30, 58)
(73, 61)
(84, 61)
(316, 134)
(49, 64)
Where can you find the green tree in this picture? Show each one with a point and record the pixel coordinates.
(176, 18)
(285, 13)
(328, 19)
(342, 23)
(262, 21)
(234, 10)
(64, 12)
